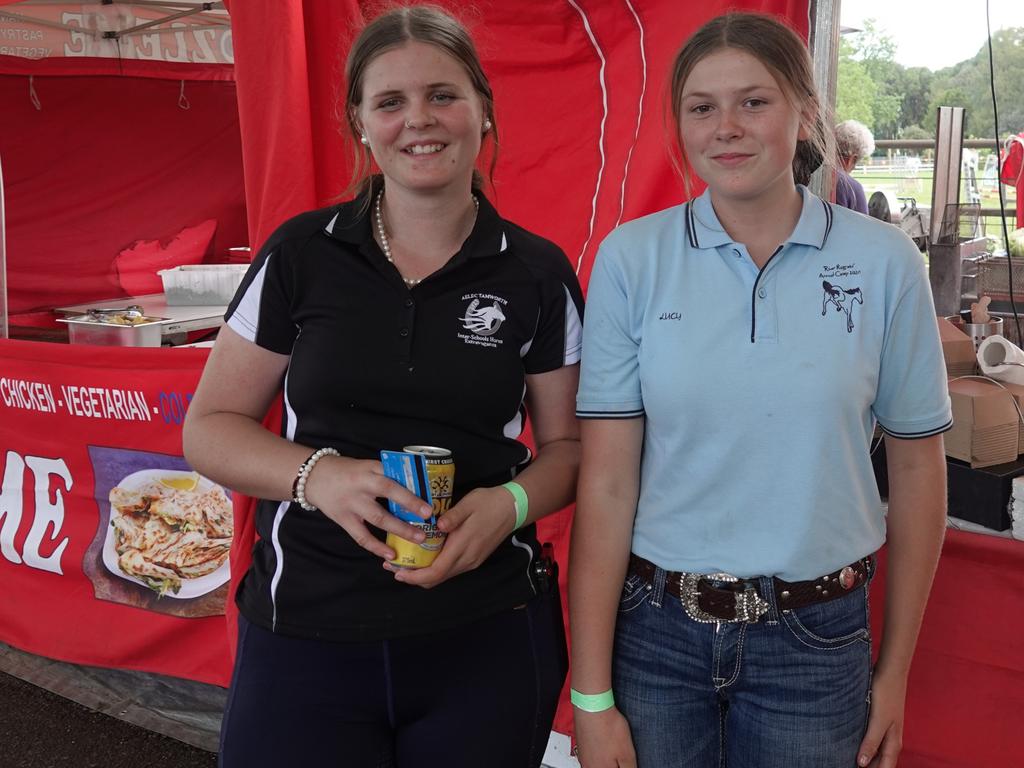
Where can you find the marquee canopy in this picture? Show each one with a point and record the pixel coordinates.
(114, 132)
(190, 40)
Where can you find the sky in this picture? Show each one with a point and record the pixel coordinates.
(925, 32)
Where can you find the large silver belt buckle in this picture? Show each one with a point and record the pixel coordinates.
(750, 606)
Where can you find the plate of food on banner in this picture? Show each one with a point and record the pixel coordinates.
(170, 530)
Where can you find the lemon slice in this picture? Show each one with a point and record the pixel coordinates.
(181, 482)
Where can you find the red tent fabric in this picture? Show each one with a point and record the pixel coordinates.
(103, 162)
(578, 88)
(1012, 171)
(99, 153)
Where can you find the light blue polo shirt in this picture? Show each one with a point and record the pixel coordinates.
(761, 388)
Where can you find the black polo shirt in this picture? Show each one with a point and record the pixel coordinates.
(376, 365)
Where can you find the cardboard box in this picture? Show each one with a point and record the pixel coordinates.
(982, 496)
(957, 349)
(985, 420)
(1017, 391)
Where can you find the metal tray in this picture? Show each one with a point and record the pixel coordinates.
(95, 327)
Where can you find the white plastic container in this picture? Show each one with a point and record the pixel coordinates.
(202, 284)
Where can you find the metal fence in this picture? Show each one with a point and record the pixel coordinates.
(907, 163)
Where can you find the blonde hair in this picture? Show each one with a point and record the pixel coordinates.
(392, 29)
(769, 40)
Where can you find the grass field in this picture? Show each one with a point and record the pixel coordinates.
(898, 183)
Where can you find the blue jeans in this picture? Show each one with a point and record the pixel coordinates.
(790, 691)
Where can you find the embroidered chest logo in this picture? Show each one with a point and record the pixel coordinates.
(842, 299)
(483, 318)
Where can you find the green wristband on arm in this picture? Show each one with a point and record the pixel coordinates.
(522, 502)
(592, 702)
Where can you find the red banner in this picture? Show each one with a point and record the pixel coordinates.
(112, 551)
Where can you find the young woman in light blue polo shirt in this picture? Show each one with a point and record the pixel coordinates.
(738, 351)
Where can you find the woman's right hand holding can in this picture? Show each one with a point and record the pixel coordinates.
(347, 491)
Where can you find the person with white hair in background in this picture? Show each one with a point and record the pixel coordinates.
(853, 141)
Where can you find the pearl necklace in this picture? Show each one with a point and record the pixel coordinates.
(385, 245)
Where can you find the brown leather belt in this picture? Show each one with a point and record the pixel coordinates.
(721, 597)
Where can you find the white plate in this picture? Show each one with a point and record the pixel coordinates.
(189, 587)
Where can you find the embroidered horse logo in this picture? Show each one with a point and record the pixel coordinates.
(842, 299)
(483, 321)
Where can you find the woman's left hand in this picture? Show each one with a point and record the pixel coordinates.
(475, 527)
(884, 738)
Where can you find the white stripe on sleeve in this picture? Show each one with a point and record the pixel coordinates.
(245, 319)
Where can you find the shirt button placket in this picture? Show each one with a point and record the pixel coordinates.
(766, 314)
(405, 333)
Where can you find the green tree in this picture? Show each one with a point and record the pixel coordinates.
(917, 83)
(890, 99)
(950, 96)
(873, 44)
(969, 85)
(912, 132)
(872, 50)
(1008, 56)
(855, 94)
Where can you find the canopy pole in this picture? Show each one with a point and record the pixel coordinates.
(824, 46)
(157, 22)
(186, 28)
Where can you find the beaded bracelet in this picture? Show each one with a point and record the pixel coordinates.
(592, 702)
(299, 484)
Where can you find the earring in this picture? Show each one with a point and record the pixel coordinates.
(365, 141)
(487, 125)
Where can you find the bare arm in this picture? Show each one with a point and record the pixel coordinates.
(485, 517)
(916, 525)
(601, 536)
(550, 480)
(225, 440)
(223, 435)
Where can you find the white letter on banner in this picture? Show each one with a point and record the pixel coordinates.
(10, 506)
(148, 47)
(205, 53)
(46, 513)
(76, 37)
(182, 53)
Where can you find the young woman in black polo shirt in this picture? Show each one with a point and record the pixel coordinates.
(413, 314)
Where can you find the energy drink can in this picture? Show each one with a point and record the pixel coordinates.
(440, 481)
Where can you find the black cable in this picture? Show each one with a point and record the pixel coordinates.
(999, 174)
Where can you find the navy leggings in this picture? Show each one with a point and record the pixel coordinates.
(481, 695)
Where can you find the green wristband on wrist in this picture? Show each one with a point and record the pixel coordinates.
(592, 702)
(522, 502)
